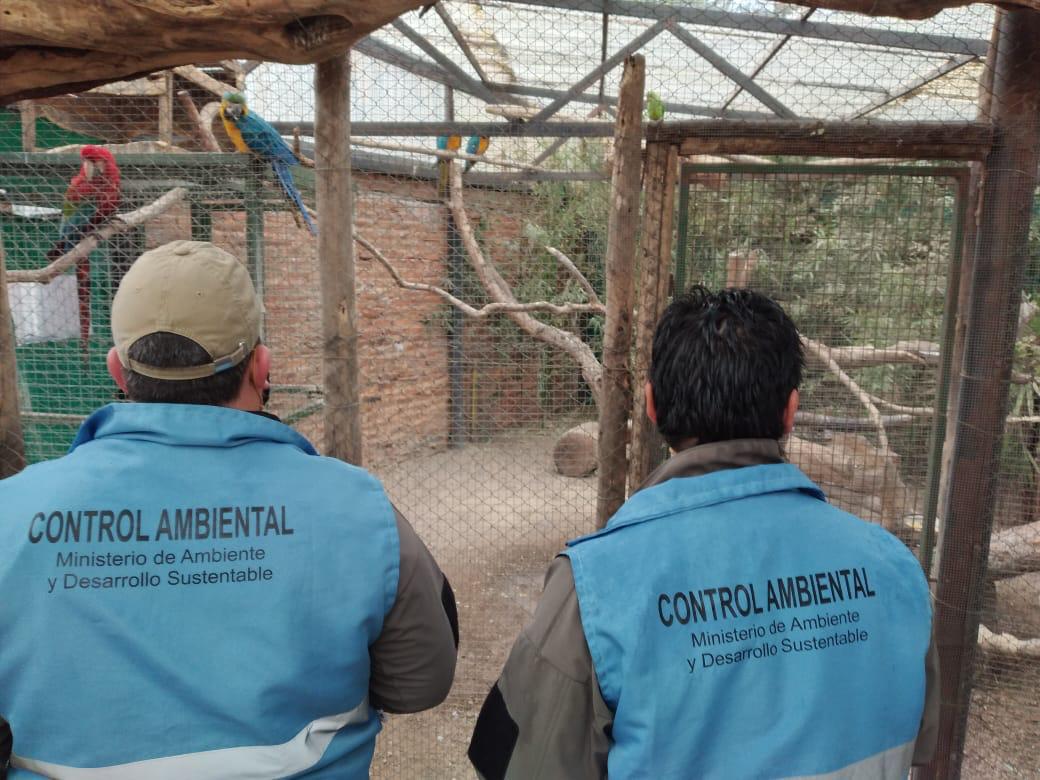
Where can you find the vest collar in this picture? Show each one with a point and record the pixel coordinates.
(186, 425)
(708, 458)
(708, 474)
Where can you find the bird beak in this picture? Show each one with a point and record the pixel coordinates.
(88, 169)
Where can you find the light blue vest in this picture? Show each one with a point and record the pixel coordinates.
(194, 589)
(741, 627)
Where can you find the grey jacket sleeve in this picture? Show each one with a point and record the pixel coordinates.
(413, 659)
(545, 717)
(928, 735)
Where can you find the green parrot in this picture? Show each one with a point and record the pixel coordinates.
(654, 107)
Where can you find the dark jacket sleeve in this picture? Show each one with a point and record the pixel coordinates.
(545, 717)
(6, 747)
(413, 659)
(928, 735)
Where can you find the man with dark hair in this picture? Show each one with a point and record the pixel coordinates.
(727, 622)
(192, 592)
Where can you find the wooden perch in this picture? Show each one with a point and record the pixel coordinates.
(501, 292)
(471, 311)
(203, 129)
(443, 154)
(120, 223)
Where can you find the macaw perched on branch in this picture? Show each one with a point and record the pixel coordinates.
(477, 144)
(446, 143)
(250, 133)
(90, 201)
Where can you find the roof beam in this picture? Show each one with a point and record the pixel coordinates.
(392, 55)
(871, 36)
(730, 71)
(604, 67)
(949, 66)
(611, 100)
(460, 39)
(446, 63)
(769, 55)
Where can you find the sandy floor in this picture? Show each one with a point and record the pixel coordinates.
(494, 515)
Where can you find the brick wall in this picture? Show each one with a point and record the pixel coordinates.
(403, 349)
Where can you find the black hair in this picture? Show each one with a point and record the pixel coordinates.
(724, 364)
(169, 350)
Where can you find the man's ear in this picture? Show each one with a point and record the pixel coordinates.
(115, 368)
(651, 409)
(790, 410)
(260, 366)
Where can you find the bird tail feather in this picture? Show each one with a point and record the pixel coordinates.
(285, 179)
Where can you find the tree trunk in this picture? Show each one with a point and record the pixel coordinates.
(655, 259)
(336, 252)
(12, 446)
(616, 398)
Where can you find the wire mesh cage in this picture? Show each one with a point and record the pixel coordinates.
(466, 409)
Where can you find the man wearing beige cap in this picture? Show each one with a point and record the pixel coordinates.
(192, 592)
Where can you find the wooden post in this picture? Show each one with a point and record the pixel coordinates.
(616, 397)
(956, 357)
(655, 258)
(1009, 182)
(28, 114)
(166, 109)
(336, 252)
(12, 446)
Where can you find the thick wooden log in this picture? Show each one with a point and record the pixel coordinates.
(1018, 604)
(336, 257)
(860, 139)
(1014, 550)
(1001, 250)
(904, 9)
(1008, 645)
(12, 446)
(55, 48)
(575, 453)
(655, 262)
(616, 397)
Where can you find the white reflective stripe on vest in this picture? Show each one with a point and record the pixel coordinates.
(893, 763)
(240, 763)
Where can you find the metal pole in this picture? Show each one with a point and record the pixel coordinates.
(456, 264)
(336, 253)
(1001, 251)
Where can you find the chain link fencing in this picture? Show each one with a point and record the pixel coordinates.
(463, 416)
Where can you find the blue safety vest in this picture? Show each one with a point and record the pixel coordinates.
(191, 592)
(741, 627)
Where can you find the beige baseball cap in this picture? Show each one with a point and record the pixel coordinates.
(193, 289)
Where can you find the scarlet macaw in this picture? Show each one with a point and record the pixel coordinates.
(90, 201)
(250, 133)
(450, 143)
(477, 144)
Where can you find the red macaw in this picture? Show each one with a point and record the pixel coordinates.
(90, 201)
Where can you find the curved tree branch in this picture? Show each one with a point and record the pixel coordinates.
(120, 223)
(579, 277)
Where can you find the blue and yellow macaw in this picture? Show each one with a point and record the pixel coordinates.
(446, 143)
(477, 144)
(250, 133)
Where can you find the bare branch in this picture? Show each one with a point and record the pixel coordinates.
(443, 154)
(1008, 644)
(579, 277)
(118, 224)
(500, 292)
(204, 80)
(203, 129)
(822, 353)
(471, 311)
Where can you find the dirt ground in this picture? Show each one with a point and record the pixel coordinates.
(494, 515)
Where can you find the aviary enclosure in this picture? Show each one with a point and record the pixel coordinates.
(519, 219)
